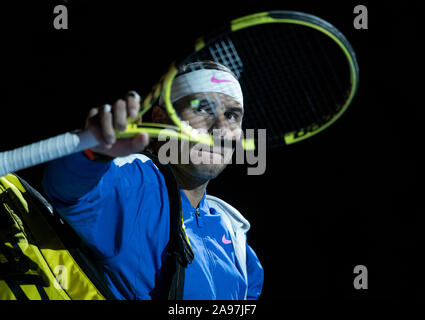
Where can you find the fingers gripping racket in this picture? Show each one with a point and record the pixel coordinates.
(297, 72)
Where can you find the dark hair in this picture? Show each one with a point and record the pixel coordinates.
(199, 65)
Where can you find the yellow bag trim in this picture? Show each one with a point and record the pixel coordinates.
(41, 245)
(5, 292)
(11, 182)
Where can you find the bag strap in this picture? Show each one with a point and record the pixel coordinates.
(72, 242)
(179, 251)
(16, 268)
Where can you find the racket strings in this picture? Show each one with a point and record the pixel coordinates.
(293, 77)
(313, 99)
(267, 104)
(334, 76)
(224, 52)
(319, 75)
(301, 97)
(327, 74)
(280, 90)
(310, 101)
(295, 64)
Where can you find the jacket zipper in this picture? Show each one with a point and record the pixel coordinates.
(198, 216)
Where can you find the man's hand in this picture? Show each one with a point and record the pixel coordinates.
(103, 121)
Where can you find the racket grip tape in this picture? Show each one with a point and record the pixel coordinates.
(45, 150)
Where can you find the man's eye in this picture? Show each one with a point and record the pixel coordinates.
(232, 116)
(205, 110)
(205, 106)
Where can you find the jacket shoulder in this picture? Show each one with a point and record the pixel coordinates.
(121, 161)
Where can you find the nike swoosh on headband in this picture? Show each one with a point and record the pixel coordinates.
(215, 80)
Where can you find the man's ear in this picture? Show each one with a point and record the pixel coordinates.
(159, 115)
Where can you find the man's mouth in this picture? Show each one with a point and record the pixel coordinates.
(213, 152)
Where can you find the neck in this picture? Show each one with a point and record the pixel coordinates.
(195, 195)
(193, 189)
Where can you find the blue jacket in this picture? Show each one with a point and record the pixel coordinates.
(120, 209)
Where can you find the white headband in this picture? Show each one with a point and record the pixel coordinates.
(206, 80)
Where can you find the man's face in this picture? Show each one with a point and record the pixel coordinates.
(219, 115)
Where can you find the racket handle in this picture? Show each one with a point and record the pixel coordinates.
(45, 150)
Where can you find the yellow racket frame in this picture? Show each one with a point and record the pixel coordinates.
(183, 131)
(264, 17)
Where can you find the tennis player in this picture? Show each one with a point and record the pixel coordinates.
(117, 201)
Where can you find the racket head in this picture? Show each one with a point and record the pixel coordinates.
(298, 75)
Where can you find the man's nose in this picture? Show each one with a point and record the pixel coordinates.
(220, 121)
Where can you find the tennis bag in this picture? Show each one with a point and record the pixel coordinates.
(42, 258)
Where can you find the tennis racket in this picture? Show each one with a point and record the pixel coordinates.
(297, 72)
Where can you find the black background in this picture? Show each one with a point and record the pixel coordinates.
(345, 197)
